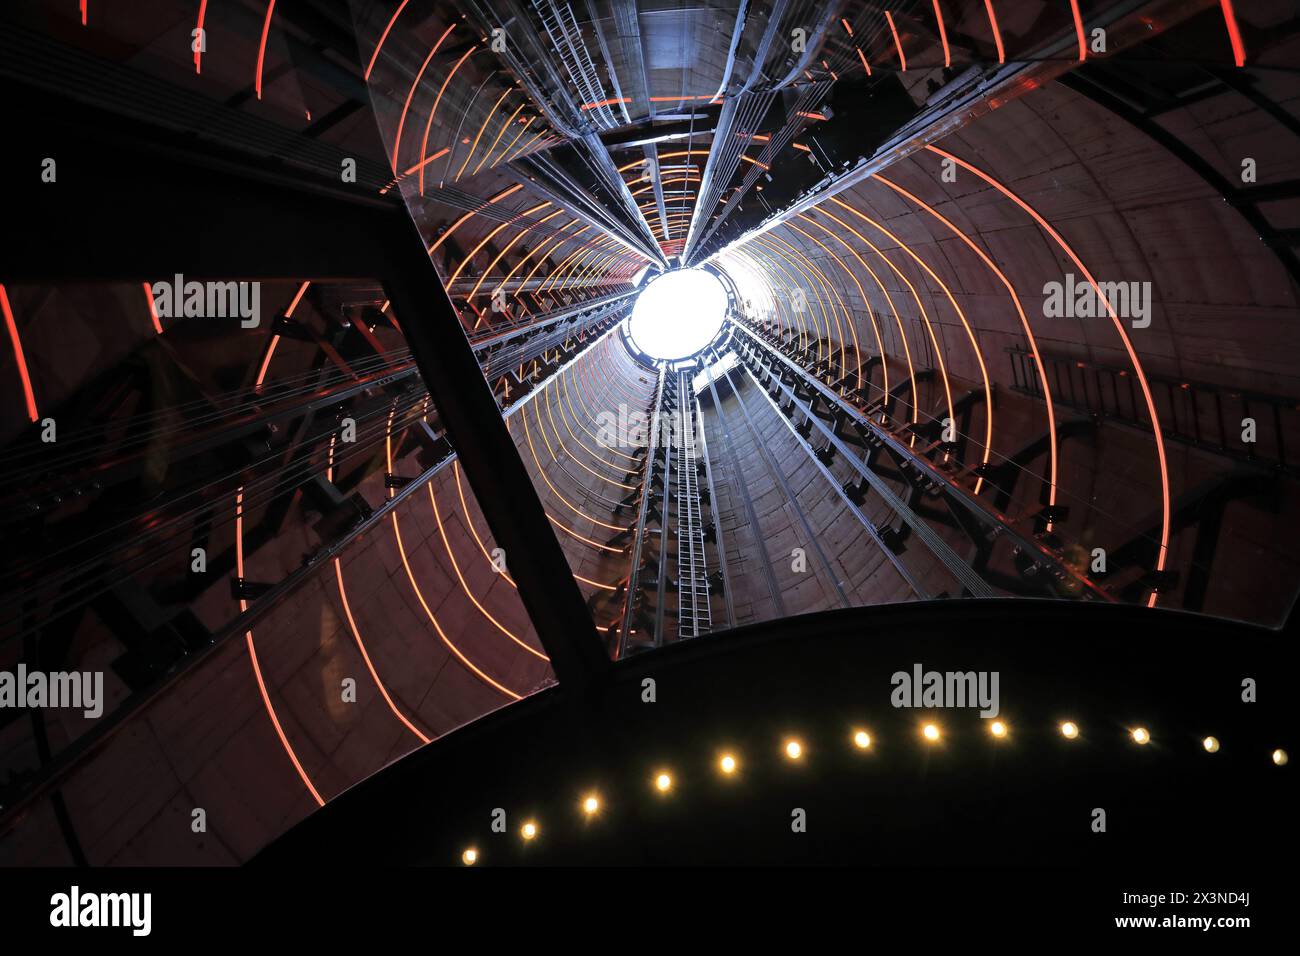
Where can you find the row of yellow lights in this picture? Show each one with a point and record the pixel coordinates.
(793, 749)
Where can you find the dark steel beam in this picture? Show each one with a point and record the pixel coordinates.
(492, 464)
(974, 94)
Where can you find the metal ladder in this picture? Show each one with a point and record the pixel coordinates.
(694, 614)
(566, 38)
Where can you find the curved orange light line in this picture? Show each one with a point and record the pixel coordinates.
(1138, 372)
(592, 106)
(509, 245)
(524, 148)
(943, 33)
(582, 400)
(688, 178)
(401, 550)
(662, 156)
(469, 522)
(764, 278)
(455, 566)
(252, 654)
(504, 126)
(275, 339)
(961, 316)
(898, 44)
(581, 444)
(365, 656)
(997, 34)
(793, 283)
(1234, 34)
(597, 253)
(382, 37)
(546, 438)
(426, 161)
(830, 287)
(198, 54)
(852, 325)
(28, 395)
(567, 530)
(551, 279)
(522, 129)
(471, 214)
(804, 264)
(528, 255)
(488, 238)
(580, 267)
(595, 544)
(600, 264)
(288, 313)
(261, 47)
(479, 135)
(893, 308)
(541, 260)
(419, 594)
(1024, 322)
(153, 308)
(565, 501)
(428, 125)
(807, 330)
(410, 95)
(585, 399)
(1078, 29)
(739, 262)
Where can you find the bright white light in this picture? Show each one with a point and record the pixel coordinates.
(678, 313)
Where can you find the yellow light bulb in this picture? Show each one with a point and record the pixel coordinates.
(1279, 757)
(469, 857)
(998, 728)
(591, 805)
(529, 830)
(1211, 745)
(1141, 735)
(793, 749)
(663, 783)
(727, 764)
(862, 740)
(1069, 730)
(930, 732)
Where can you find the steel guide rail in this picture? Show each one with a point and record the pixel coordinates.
(635, 551)
(917, 588)
(719, 539)
(996, 524)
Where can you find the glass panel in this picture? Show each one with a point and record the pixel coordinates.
(235, 512)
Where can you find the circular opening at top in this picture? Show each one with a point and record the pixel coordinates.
(678, 313)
